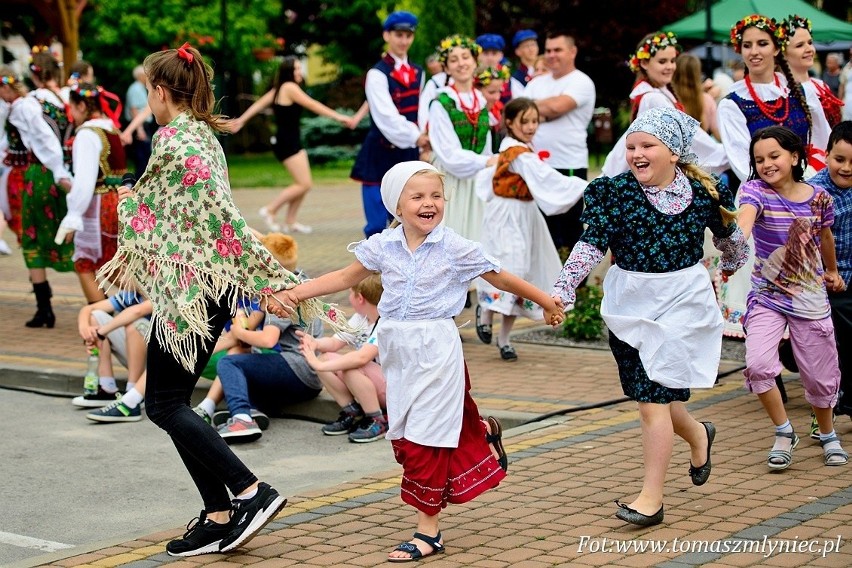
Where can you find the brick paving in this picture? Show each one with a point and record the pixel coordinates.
(565, 472)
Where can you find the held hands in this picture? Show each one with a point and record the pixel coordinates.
(554, 312)
(234, 125)
(834, 282)
(282, 303)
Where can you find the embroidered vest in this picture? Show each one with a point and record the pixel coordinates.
(509, 184)
(112, 161)
(797, 120)
(406, 98)
(522, 74)
(471, 137)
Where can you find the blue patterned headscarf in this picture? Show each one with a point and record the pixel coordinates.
(672, 127)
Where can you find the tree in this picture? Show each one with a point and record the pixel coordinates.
(116, 35)
(454, 17)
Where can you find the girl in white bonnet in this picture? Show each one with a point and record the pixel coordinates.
(665, 329)
(434, 425)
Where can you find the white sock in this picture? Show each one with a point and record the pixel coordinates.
(786, 427)
(132, 398)
(505, 330)
(129, 386)
(248, 495)
(208, 406)
(243, 417)
(108, 384)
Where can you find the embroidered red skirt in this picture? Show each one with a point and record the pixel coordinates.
(433, 477)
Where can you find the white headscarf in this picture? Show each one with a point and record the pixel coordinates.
(672, 127)
(394, 181)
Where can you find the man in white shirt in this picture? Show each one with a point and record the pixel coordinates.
(566, 101)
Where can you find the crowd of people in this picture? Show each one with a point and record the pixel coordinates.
(722, 211)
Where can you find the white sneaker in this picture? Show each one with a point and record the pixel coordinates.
(269, 219)
(298, 228)
(4, 247)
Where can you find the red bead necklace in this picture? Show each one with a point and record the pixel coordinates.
(769, 110)
(470, 112)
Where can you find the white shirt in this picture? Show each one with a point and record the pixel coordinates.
(565, 136)
(399, 131)
(553, 192)
(27, 116)
(430, 91)
(431, 282)
(711, 154)
(445, 142)
(86, 154)
(734, 129)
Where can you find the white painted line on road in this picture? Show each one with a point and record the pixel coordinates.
(34, 543)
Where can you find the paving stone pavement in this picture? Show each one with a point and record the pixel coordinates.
(556, 506)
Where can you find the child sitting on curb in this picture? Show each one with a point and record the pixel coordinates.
(354, 379)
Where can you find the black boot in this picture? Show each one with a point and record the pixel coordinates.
(44, 314)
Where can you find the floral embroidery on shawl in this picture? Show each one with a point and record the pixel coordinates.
(182, 240)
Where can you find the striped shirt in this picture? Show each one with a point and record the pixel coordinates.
(788, 270)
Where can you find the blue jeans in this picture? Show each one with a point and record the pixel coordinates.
(374, 210)
(260, 380)
(210, 462)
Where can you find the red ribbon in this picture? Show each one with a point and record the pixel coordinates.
(184, 54)
(113, 114)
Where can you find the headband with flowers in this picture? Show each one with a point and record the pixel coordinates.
(7, 80)
(768, 25)
(448, 43)
(104, 96)
(35, 68)
(792, 23)
(651, 46)
(498, 73)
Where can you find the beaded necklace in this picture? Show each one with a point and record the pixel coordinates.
(470, 112)
(769, 110)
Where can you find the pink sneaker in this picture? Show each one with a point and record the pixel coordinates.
(239, 430)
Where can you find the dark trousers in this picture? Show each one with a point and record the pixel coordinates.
(841, 316)
(374, 210)
(214, 468)
(566, 228)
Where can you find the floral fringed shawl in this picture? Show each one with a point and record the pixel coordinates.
(182, 240)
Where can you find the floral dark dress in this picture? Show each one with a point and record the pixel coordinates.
(620, 217)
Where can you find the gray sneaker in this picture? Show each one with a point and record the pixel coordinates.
(237, 430)
(344, 424)
(369, 430)
(222, 416)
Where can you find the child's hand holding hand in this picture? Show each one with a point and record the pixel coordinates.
(833, 281)
(554, 313)
(282, 303)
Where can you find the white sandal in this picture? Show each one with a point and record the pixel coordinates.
(781, 459)
(269, 219)
(828, 455)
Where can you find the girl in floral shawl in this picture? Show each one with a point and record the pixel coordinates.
(184, 243)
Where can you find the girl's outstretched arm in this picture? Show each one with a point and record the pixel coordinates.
(508, 282)
(336, 281)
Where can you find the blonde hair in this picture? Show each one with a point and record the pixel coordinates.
(370, 288)
(708, 182)
(686, 82)
(189, 83)
(17, 85)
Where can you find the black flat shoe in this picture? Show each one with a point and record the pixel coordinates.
(483, 331)
(634, 517)
(507, 353)
(700, 474)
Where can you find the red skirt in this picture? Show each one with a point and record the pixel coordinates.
(434, 477)
(109, 234)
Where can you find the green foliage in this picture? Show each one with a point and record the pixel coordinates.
(319, 130)
(584, 322)
(454, 17)
(116, 35)
(263, 170)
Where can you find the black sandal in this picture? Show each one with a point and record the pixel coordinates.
(496, 439)
(415, 554)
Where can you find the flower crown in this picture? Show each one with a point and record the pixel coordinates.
(7, 80)
(87, 93)
(651, 46)
(792, 23)
(448, 43)
(768, 25)
(485, 76)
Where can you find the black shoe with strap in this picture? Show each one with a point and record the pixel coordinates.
(248, 516)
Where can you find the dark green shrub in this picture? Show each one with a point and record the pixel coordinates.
(584, 322)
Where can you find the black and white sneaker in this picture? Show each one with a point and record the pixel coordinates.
(250, 515)
(203, 536)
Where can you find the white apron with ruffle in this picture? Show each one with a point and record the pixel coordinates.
(671, 318)
(423, 365)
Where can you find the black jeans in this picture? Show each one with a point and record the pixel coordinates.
(210, 462)
(566, 228)
(841, 316)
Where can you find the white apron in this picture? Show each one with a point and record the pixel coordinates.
(424, 367)
(671, 318)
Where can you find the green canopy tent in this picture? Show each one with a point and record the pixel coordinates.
(726, 13)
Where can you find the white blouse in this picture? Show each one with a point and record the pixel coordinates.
(27, 116)
(399, 131)
(445, 142)
(86, 154)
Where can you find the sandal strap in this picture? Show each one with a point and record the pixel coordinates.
(833, 453)
(829, 440)
(410, 548)
(791, 434)
(433, 541)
